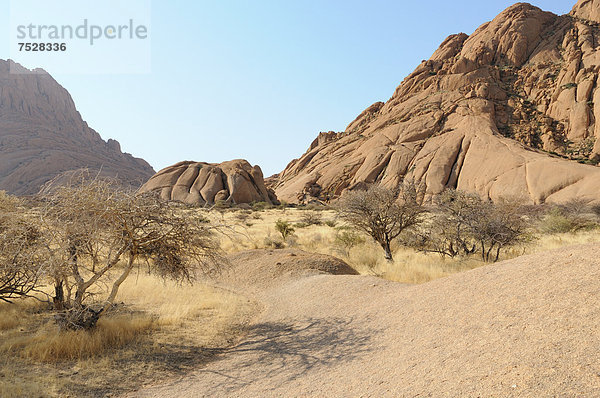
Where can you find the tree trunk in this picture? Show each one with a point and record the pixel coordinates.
(489, 253)
(79, 293)
(388, 250)
(497, 254)
(115, 288)
(59, 296)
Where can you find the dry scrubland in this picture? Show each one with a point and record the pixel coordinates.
(256, 230)
(162, 329)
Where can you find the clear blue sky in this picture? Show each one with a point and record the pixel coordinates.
(259, 79)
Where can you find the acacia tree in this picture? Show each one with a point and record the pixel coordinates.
(100, 233)
(449, 230)
(382, 213)
(463, 223)
(499, 225)
(22, 263)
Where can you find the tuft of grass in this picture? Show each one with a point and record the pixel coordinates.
(165, 330)
(409, 266)
(18, 386)
(49, 344)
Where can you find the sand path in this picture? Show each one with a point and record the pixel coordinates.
(525, 327)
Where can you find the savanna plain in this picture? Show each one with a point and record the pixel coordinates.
(159, 330)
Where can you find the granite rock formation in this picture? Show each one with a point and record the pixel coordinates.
(511, 110)
(200, 184)
(42, 136)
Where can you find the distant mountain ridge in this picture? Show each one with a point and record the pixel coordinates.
(42, 135)
(511, 110)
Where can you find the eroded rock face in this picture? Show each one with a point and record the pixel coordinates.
(199, 184)
(510, 110)
(42, 136)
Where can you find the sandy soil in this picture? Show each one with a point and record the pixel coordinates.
(526, 327)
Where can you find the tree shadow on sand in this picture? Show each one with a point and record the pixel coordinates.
(278, 351)
(282, 351)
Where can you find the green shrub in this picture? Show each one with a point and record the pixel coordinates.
(313, 206)
(311, 218)
(260, 206)
(555, 222)
(570, 217)
(346, 240)
(241, 216)
(222, 205)
(284, 228)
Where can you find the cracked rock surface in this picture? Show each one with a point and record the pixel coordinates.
(510, 110)
(202, 184)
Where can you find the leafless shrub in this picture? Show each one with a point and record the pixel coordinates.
(498, 226)
(448, 231)
(22, 263)
(463, 223)
(100, 233)
(310, 217)
(382, 213)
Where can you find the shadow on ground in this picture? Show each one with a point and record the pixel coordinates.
(283, 351)
(288, 350)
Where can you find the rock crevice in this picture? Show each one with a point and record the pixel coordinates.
(204, 184)
(510, 110)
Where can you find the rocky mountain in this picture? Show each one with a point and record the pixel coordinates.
(42, 135)
(512, 109)
(200, 184)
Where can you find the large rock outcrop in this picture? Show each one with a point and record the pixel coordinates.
(199, 184)
(513, 109)
(43, 136)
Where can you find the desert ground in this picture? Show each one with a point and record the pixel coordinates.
(287, 318)
(524, 327)
(212, 280)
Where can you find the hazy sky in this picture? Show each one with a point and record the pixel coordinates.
(259, 79)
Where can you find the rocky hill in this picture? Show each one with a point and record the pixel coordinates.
(510, 110)
(200, 184)
(42, 136)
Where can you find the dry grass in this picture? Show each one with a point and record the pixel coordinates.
(202, 313)
(257, 230)
(164, 330)
(48, 344)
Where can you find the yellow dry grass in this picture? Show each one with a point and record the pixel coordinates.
(257, 230)
(164, 329)
(47, 344)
